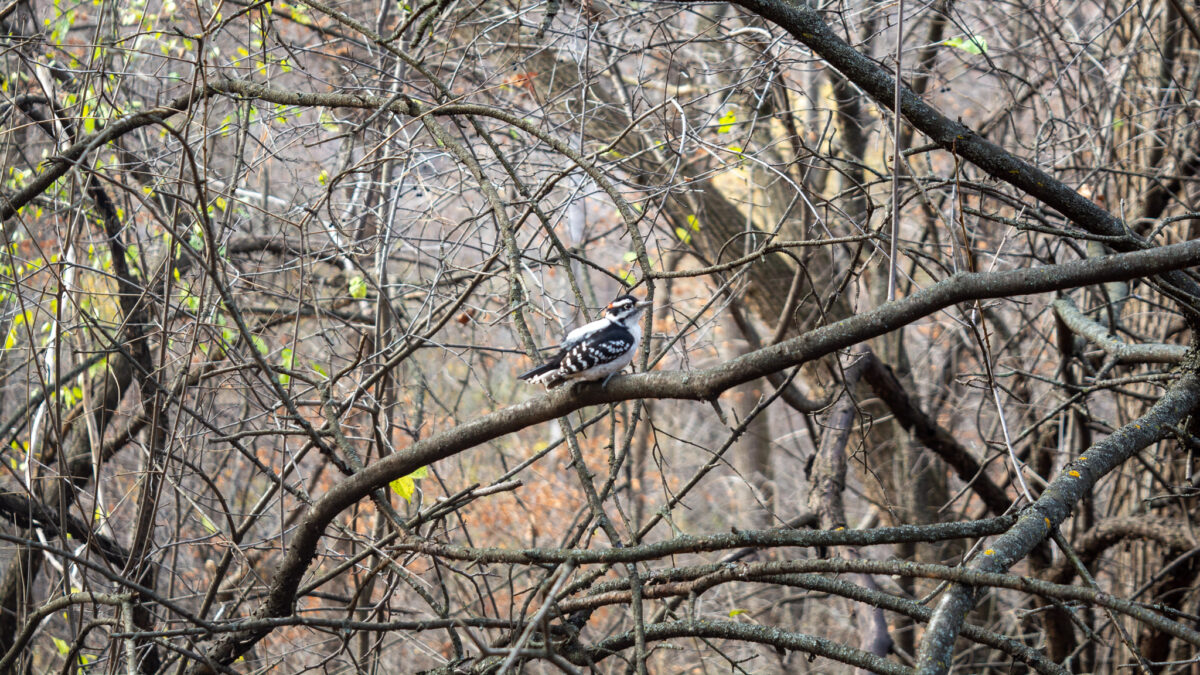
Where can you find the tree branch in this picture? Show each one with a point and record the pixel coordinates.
(807, 26)
(698, 385)
(1100, 336)
(1049, 511)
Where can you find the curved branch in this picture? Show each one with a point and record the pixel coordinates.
(699, 385)
(1014, 648)
(35, 618)
(1050, 510)
(1111, 531)
(1122, 352)
(692, 581)
(728, 630)
(807, 26)
(60, 165)
(27, 512)
(719, 542)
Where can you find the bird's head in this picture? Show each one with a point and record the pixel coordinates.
(625, 309)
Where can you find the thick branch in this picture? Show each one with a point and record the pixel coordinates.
(692, 581)
(1050, 510)
(728, 630)
(719, 542)
(1111, 531)
(698, 385)
(26, 512)
(1122, 352)
(59, 166)
(807, 26)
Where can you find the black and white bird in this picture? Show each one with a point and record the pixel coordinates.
(597, 350)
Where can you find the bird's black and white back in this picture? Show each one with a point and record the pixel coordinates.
(597, 350)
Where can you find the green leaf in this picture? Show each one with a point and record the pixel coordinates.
(629, 278)
(259, 344)
(358, 288)
(61, 645)
(630, 256)
(970, 45)
(727, 121)
(318, 369)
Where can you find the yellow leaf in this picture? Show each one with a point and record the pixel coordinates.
(727, 121)
(405, 486)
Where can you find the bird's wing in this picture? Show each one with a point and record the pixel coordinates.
(573, 338)
(583, 331)
(606, 347)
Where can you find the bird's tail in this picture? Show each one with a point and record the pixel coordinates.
(538, 373)
(544, 374)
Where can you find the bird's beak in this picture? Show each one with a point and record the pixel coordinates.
(644, 303)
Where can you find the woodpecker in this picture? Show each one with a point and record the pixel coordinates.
(597, 350)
